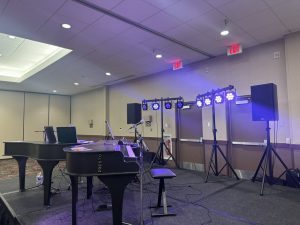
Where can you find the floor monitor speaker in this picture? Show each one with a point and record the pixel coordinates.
(264, 102)
(134, 113)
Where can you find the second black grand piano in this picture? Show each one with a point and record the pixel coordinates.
(115, 166)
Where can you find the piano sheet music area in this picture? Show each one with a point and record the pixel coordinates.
(115, 165)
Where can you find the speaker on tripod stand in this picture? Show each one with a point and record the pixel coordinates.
(265, 108)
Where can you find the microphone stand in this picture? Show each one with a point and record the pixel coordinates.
(110, 134)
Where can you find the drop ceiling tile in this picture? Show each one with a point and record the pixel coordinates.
(276, 2)
(238, 9)
(260, 19)
(217, 3)
(107, 4)
(135, 10)
(135, 35)
(53, 33)
(210, 23)
(8, 45)
(289, 13)
(268, 33)
(162, 4)
(20, 17)
(111, 25)
(161, 22)
(74, 10)
(188, 9)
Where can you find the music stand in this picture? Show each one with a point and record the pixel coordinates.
(66, 135)
(49, 134)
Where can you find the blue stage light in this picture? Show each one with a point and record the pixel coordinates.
(230, 95)
(168, 105)
(179, 104)
(155, 106)
(199, 102)
(207, 101)
(144, 106)
(219, 98)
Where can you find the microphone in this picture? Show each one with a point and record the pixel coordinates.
(139, 123)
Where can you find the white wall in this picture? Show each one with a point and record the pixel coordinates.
(87, 107)
(292, 52)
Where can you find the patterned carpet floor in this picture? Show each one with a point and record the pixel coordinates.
(9, 168)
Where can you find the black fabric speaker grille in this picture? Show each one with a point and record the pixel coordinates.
(264, 102)
(134, 113)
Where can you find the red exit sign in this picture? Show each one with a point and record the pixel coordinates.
(177, 65)
(234, 49)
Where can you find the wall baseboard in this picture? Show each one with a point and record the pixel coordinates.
(193, 166)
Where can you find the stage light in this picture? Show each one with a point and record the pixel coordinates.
(144, 106)
(230, 95)
(155, 106)
(179, 104)
(199, 102)
(207, 101)
(168, 105)
(219, 98)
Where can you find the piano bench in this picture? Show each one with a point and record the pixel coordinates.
(162, 174)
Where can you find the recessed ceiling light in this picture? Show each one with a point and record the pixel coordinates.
(107, 73)
(11, 36)
(224, 32)
(0, 54)
(54, 91)
(158, 56)
(66, 25)
(76, 84)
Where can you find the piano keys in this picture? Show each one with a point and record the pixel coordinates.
(47, 155)
(115, 166)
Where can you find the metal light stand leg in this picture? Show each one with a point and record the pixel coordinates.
(160, 151)
(215, 148)
(267, 160)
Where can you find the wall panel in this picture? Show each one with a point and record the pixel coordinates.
(36, 116)
(11, 117)
(59, 110)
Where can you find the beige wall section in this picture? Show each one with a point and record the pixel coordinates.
(292, 43)
(59, 110)
(86, 107)
(11, 117)
(255, 66)
(36, 116)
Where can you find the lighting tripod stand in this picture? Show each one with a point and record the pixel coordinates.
(159, 156)
(267, 160)
(213, 162)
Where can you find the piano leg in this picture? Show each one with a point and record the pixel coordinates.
(116, 185)
(47, 167)
(89, 188)
(22, 169)
(74, 183)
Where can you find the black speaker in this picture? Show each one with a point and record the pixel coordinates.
(264, 102)
(134, 113)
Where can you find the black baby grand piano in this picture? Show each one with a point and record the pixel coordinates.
(47, 155)
(114, 165)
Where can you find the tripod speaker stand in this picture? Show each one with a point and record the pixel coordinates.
(159, 156)
(268, 165)
(213, 162)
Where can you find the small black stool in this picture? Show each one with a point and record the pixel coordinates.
(162, 174)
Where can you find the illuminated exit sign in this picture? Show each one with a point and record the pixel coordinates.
(234, 49)
(177, 65)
